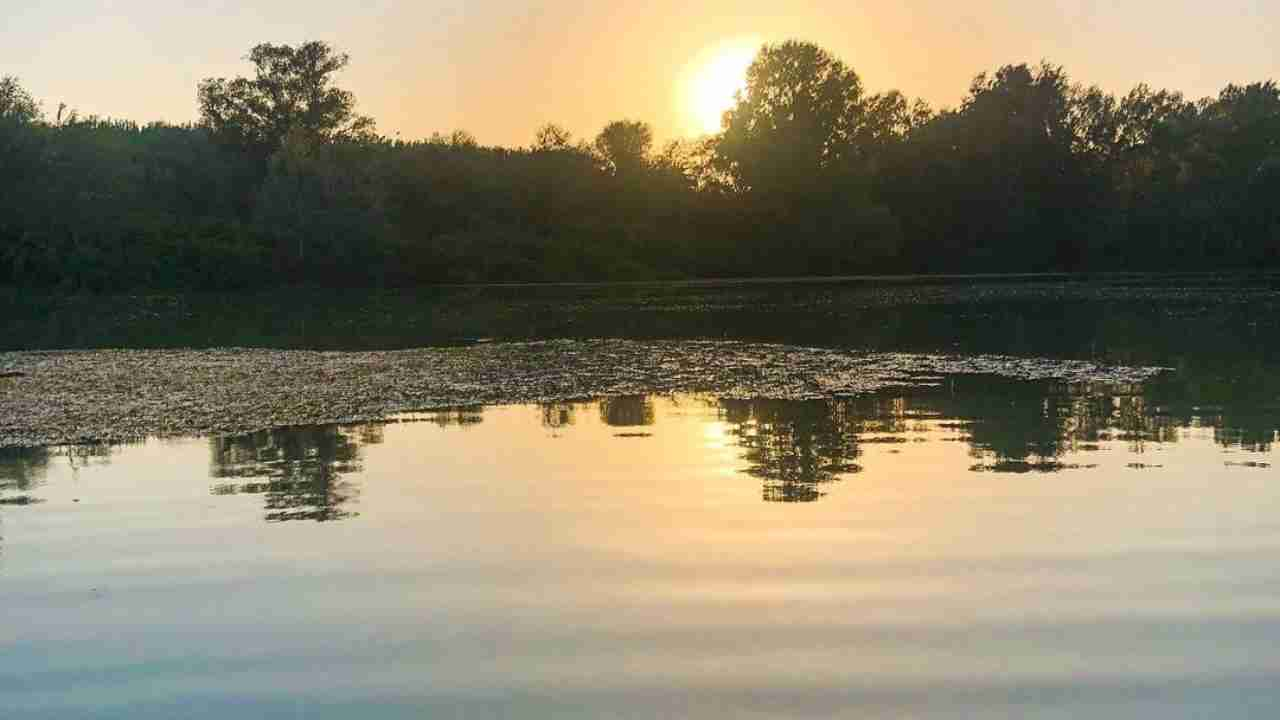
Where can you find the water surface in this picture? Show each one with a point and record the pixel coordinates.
(980, 547)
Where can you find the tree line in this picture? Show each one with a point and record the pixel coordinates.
(283, 182)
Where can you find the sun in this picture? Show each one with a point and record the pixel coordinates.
(711, 79)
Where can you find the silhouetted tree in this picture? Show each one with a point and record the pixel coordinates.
(978, 181)
(796, 119)
(291, 91)
(16, 102)
(801, 147)
(624, 146)
(282, 183)
(551, 138)
(324, 204)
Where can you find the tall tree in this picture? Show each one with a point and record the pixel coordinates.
(624, 146)
(15, 101)
(552, 137)
(799, 149)
(1007, 166)
(292, 90)
(795, 120)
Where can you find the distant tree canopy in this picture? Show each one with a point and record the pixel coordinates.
(291, 91)
(283, 182)
(795, 120)
(624, 145)
(802, 147)
(16, 102)
(552, 137)
(999, 169)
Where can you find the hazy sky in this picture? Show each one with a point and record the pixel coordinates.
(500, 69)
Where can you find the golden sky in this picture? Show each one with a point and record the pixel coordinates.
(500, 69)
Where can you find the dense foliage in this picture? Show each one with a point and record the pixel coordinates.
(282, 182)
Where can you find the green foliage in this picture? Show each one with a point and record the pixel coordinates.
(291, 91)
(1000, 169)
(796, 120)
(15, 102)
(322, 203)
(282, 183)
(801, 150)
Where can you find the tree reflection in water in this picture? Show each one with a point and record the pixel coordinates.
(302, 472)
(794, 447)
(557, 415)
(1011, 426)
(21, 471)
(1016, 426)
(24, 469)
(627, 411)
(464, 417)
(299, 471)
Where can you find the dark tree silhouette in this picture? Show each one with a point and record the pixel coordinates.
(801, 148)
(16, 102)
(283, 183)
(291, 91)
(624, 146)
(552, 138)
(796, 119)
(999, 170)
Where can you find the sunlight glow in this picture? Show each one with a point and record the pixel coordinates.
(711, 80)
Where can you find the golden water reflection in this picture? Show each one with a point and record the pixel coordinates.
(796, 449)
(934, 552)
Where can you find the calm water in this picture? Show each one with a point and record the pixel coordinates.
(982, 548)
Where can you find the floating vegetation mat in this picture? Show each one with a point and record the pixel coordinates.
(66, 397)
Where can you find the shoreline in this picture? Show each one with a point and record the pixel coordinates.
(103, 396)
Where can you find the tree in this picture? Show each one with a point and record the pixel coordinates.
(552, 137)
(323, 204)
(291, 90)
(1009, 165)
(800, 149)
(16, 102)
(886, 120)
(463, 139)
(21, 157)
(624, 146)
(796, 119)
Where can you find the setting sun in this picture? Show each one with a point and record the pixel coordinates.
(712, 79)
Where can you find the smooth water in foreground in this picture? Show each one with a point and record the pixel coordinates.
(983, 547)
(980, 500)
